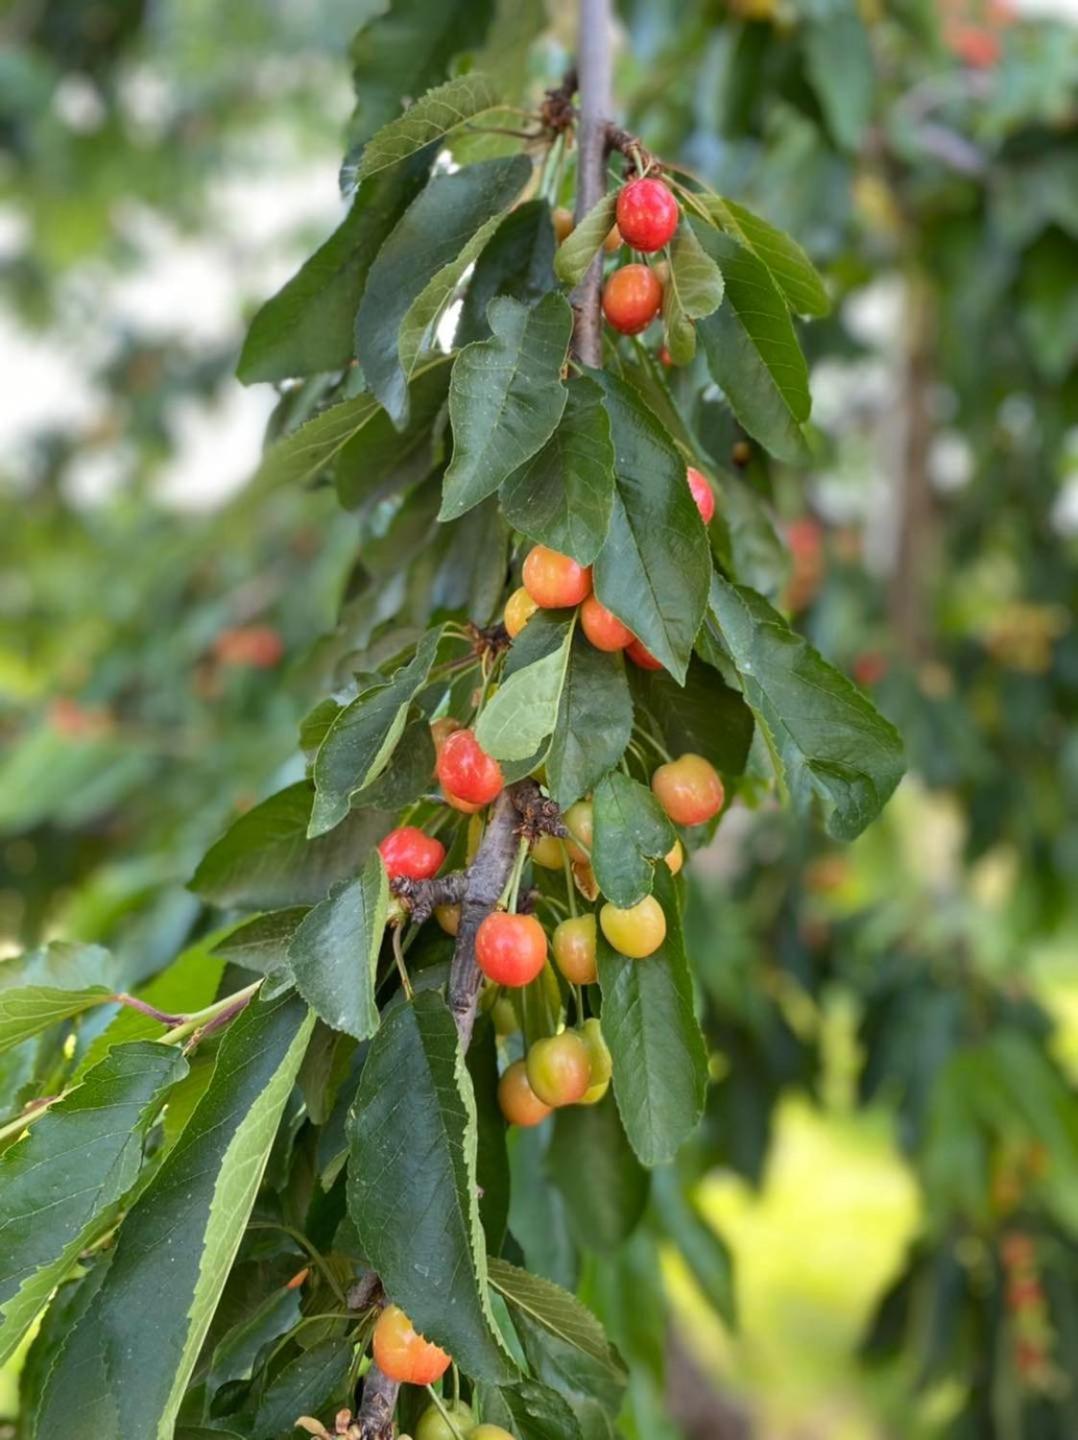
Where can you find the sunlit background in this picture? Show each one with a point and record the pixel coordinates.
(167, 165)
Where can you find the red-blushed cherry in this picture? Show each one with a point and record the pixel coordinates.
(574, 947)
(559, 1068)
(640, 655)
(553, 580)
(402, 1354)
(689, 789)
(519, 609)
(433, 1425)
(637, 930)
(600, 1060)
(580, 822)
(647, 214)
(407, 851)
(466, 772)
(632, 298)
(510, 949)
(702, 493)
(563, 223)
(602, 627)
(518, 1101)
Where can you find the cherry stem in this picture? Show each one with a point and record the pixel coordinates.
(660, 748)
(512, 886)
(398, 956)
(570, 883)
(444, 1412)
(145, 1008)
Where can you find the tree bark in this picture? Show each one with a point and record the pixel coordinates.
(594, 79)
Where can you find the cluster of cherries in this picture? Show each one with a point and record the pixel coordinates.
(647, 216)
(402, 1354)
(553, 581)
(1027, 1302)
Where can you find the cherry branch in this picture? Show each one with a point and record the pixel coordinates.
(594, 75)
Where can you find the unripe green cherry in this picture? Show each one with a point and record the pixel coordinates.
(559, 1068)
(579, 821)
(637, 931)
(547, 852)
(573, 943)
(599, 1058)
(489, 1432)
(434, 1426)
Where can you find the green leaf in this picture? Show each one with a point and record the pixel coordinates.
(518, 261)
(431, 233)
(61, 1184)
(265, 859)
(132, 1353)
(307, 327)
(234, 1356)
(334, 952)
(653, 569)
(505, 397)
(379, 459)
(27, 1010)
(431, 118)
(261, 943)
(841, 69)
(590, 1162)
(790, 268)
(631, 833)
(660, 1062)
(595, 721)
(306, 1385)
(405, 50)
(705, 717)
(360, 742)
(562, 496)
(753, 352)
(492, 1159)
(694, 290)
(556, 1310)
(412, 1183)
(827, 741)
(579, 249)
(530, 1410)
(524, 711)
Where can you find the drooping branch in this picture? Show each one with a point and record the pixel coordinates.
(594, 79)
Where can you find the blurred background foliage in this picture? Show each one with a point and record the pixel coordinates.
(891, 1145)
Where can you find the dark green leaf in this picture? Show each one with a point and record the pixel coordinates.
(591, 1163)
(524, 711)
(518, 261)
(576, 253)
(27, 1010)
(261, 943)
(505, 397)
(61, 1184)
(827, 741)
(791, 269)
(693, 290)
(562, 497)
(433, 231)
(187, 1224)
(235, 1354)
(306, 1385)
(631, 833)
(380, 459)
(530, 1410)
(408, 774)
(704, 718)
(595, 721)
(492, 1160)
(334, 953)
(361, 740)
(412, 1183)
(660, 1062)
(753, 352)
(266, 860)
(556, 1310)
(308, 325)
(653, 569)
(431, 118)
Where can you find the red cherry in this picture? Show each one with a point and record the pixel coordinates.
(466, 772)
(519, 1103)
(407, 851)
(510, 949)
(642, 656)
(555, 581)
(702, 493)
(647, 214)
(603, 629)
(688, 789)
(632, 297)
